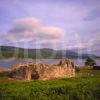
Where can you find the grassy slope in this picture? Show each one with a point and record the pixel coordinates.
(86, 88)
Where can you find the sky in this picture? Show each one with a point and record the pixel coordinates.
(56, 24)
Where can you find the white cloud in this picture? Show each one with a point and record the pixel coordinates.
(28, 22)
(55, 31)
(76, 47)
(33, 30)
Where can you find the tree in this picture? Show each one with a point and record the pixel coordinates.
(90, 62)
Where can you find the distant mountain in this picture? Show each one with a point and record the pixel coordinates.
(7, 52)
(84, 52)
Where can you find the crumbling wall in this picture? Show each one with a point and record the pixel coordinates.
(38, 71)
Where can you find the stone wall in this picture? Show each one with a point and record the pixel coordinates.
(38, 71)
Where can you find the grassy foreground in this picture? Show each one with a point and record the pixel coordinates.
(86, 88)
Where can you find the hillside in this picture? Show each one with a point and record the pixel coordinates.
(21, 53)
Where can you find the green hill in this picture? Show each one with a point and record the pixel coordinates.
(21, 53)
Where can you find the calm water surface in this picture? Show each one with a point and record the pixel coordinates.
(9, 63)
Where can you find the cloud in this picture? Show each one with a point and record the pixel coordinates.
(78, 46)
(95, 41)
(29, 22)
(50, 32)
(33, 30)
(92, 45)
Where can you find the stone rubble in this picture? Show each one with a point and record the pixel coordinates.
(39, 71)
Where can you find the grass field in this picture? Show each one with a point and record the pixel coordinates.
(81, 88)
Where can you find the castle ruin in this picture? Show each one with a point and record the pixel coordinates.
(38, 71)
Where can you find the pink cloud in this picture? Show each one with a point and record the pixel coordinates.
(31, 29)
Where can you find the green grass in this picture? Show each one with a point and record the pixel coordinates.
(85, 72)
(86, 87)
(62, 89)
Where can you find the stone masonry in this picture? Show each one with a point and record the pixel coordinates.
(38, 71)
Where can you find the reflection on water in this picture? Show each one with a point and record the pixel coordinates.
(9, 63)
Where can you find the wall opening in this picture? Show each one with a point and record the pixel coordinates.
(35, 75)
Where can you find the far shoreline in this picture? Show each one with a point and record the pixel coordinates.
(42, 58)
